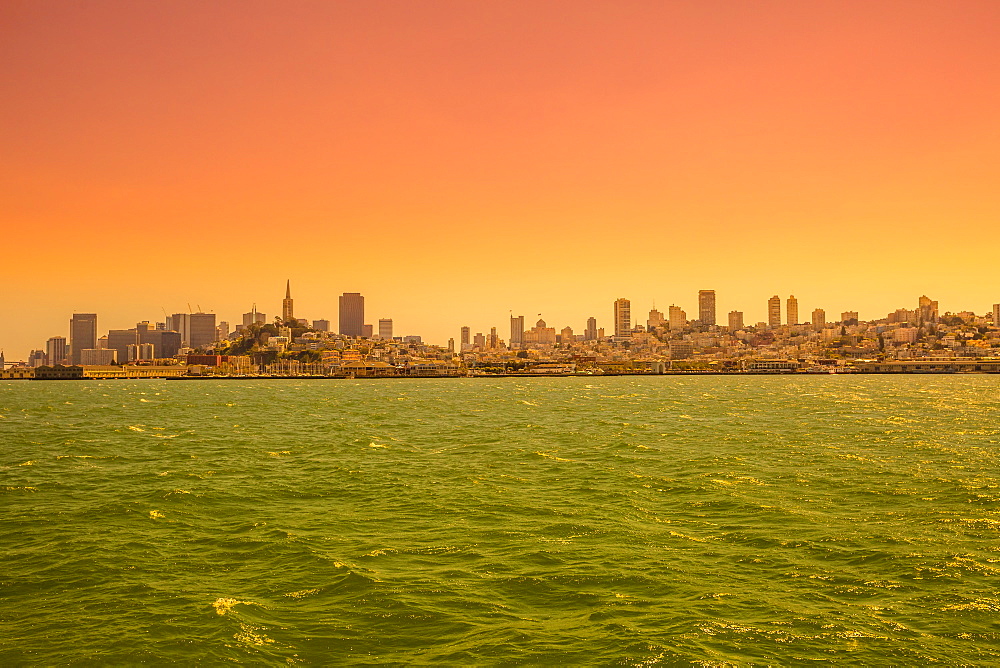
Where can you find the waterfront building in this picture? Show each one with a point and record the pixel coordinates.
(819, 319)
(55, 350)
(516, 332)
(735, 320)
(706, 307)
(590, 333)
(677, 318)
(321, 325)
(352, 314)
(82, 334)
(792, 310)
(385, 328)
(774, 311)
(287, 312)
(623, 319)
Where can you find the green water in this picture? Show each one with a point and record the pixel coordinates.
(630, 521)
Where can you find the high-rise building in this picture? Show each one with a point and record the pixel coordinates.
(479, 340)
(623, 319)
(287, 312)
(180, 323)
(466, 336)
(566, 335)
(590, 334)
(321, 325)
(82, 334)
(201, 330)
(248, 318)
(516, 331)
(927, 310)
(451, 345)
(99, 357)
(55, 350)
(368, 331)
(774, 311)
(819, 319)
(677, 318)
(654, 320)
(849, 317)
(792, 310)
(166, 343)
(385, 328)
(706, 307)
(36, 358)
(352, 314)
(221, 331)
(996, 315)
(735, 320)
(494, 340)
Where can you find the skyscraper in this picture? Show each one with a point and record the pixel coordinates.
(248, 318)
(819, 319)
(996, 315)
(352, 314)
(466, 337)
(706, 307)
(590, 334)
(654, 320)
(735, 320)
(516, 331)
(623, 319)
(82, 334)
(927, 310)
(201, 329)
(676, 318)
(774, 311)
(385, 328)
(55, 350)
(792, 310)
(287, 313)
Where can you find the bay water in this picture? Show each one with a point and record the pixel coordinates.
(674, 520)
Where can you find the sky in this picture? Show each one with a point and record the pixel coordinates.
(456, 162)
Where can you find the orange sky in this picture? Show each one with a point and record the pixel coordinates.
(453, 161)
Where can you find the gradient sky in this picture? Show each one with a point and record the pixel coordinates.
(454, 161)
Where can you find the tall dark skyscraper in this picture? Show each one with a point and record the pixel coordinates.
(352, 314)
(82, 334)
(706, 307)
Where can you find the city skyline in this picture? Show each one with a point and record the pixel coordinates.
(455, 162)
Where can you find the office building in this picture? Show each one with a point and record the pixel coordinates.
(367, 331)
(677, 318)
(623, 319)
(248, 318)
(287, 312)
(849, 317)
(655, 320)
(706, 307)
(927, 310)
(792, 310)
(774, 311)
(494, 340)
(385, 328)
(201, 330)
(166, 343)
(36, 358)
(735, 320)
(516, 332)
(98, 357)
(352, 314)
(590, 333)
(819, 319)
(55, 350)
(566, 335)
(465, 337)
(321, 325)
(82, 334)
(996, 315)
(479, 341)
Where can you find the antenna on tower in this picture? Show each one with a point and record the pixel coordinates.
(189, 307)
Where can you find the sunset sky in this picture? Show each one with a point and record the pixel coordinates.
(454, 161)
